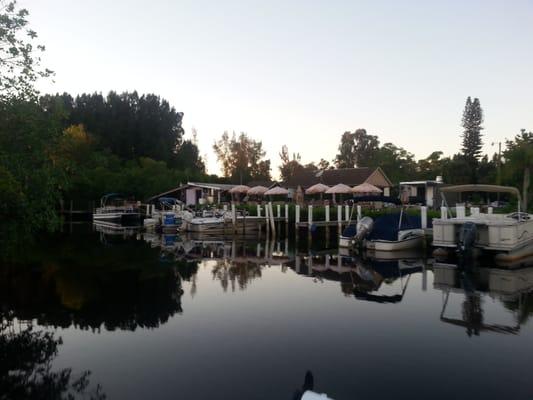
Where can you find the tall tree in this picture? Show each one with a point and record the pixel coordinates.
(242, 158)
(472, 143)
(20, 57)
(357, 149)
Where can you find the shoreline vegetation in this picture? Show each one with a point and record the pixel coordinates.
(57, 148)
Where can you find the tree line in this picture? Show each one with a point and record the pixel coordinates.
(57, 147)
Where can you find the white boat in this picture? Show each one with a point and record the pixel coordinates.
(113, 207)
(220, 222)
(388, 233)
(408, 239)
(504, 233)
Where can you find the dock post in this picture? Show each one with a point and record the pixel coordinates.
(424, 217)
(272, 223)
(347, 212)
(359, 213)
(444, 212)
(267, 222)
(233, 218)
(339, 218)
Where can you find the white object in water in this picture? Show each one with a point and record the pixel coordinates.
(309, 395)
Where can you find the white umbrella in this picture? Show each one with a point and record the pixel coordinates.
(366, 188)
(239, 189)
(318, 188)
(257, 191)
(276, 191)
(340, 188)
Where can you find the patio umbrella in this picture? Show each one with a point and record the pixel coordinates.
(340, 188)
(276, 191)
(366, 188)
(318, 188)
(239, 189)
(257, 191)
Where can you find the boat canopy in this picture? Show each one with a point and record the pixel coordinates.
(481, 188)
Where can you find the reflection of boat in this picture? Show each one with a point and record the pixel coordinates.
(111, 228)
(113, 207)
(508, 233)
(510, 286)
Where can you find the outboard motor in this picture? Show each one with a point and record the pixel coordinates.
(467, 237)
(364, 226)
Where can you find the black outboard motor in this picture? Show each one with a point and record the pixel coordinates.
(467, 237)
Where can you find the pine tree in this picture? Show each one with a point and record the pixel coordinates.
(472, 120)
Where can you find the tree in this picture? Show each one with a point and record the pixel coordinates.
(20, 60)
(242, 158)
(431, 166)
(289, 167)
(398, 163)
(472, 143)
(519, 163)
(128, 124)
(357, 149)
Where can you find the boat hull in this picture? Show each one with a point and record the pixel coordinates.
(414, 242)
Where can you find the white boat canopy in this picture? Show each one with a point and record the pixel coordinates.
(481, 188)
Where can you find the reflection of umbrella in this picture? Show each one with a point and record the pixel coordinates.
(366, 188)
(239, 189)
(318, 188)
(276, 191)
(257, 191)
(341, 188)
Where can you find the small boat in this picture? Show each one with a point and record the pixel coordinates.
(165, 215)
(510, 235)
(114, 207)
(390, 232)
(220, 222)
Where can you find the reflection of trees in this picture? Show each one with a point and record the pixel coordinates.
(26, 367)
(235, 274)
(90, 298)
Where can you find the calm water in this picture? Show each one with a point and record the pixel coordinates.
(164, 317)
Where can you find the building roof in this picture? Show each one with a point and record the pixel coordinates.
(331, 177)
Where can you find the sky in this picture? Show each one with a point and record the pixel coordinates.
(301, 73)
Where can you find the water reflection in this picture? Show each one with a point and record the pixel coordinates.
(26, 371)
(513, 288)
(94, 285)
(313, 305)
